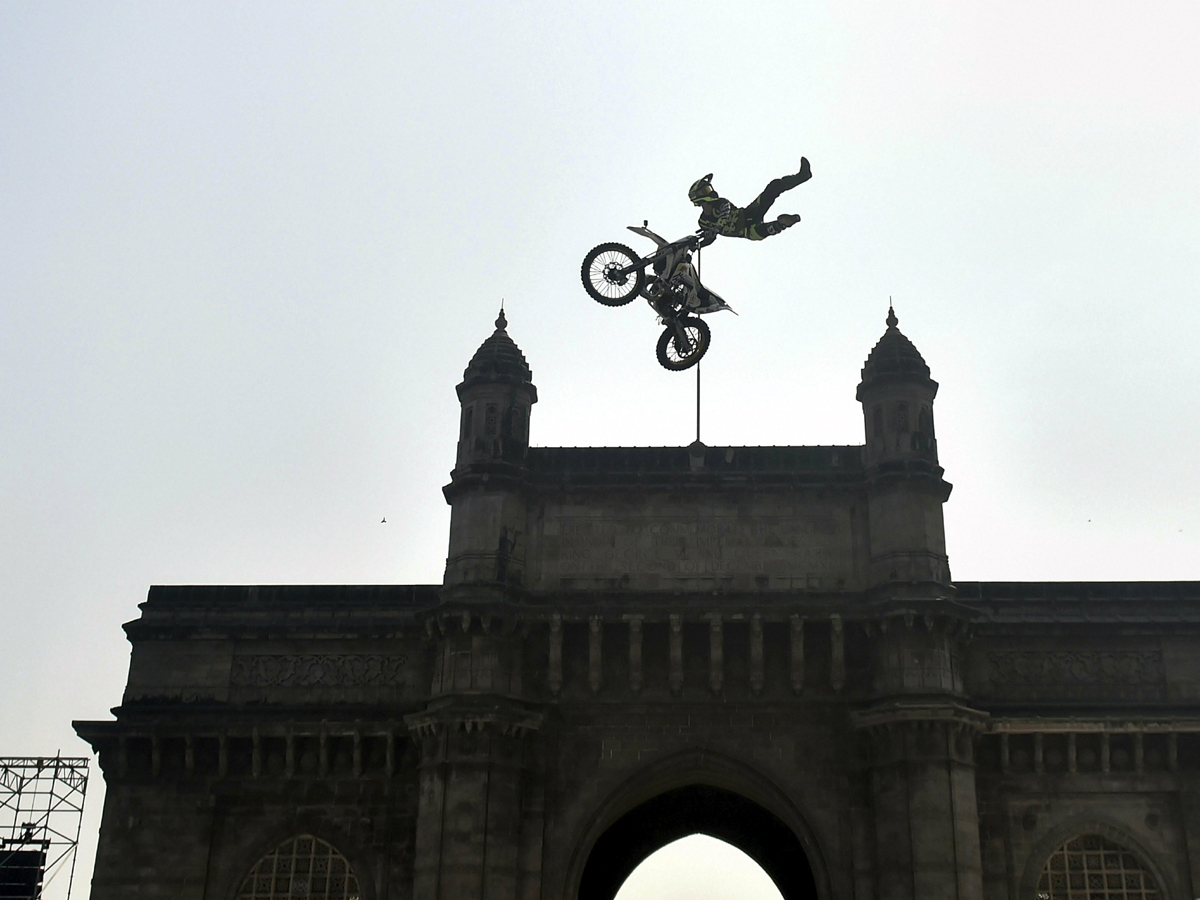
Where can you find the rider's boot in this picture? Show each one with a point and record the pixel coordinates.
(805, 172)
(768, 229)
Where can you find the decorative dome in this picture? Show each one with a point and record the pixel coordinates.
(498, 359)
(894, 358)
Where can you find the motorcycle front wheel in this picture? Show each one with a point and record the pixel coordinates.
(676, 352)
(601, 278)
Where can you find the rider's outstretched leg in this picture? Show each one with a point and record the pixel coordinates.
(757, 209)
(766, 229)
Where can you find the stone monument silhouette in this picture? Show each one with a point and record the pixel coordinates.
(630, 645)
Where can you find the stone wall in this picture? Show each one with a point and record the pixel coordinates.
(629, 644)
(233, 737)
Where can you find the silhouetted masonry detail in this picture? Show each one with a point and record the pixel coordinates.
(630, 644)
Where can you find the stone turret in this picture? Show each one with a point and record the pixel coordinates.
(919, 733)
(905, 486)
(897, 397)
(496, 395)
(476, 733)
(487, 519)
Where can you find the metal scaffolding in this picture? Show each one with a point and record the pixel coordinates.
(41, 811)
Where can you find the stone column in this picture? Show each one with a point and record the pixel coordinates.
(922, 784)
(797, 661)
(756, 654)
(675, 679)
(716, 654)
(555, 677)
(471, 812)
(595, 649)
(636, 678)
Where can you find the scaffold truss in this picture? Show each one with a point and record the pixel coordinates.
(41, 811)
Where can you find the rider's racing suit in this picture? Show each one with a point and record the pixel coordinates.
(722, 217)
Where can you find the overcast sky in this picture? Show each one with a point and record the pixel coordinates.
(246, 251)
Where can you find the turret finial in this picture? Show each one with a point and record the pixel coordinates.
(892, 321)
(501, 322)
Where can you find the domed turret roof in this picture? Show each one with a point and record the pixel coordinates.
(894, 358)
(498, 359)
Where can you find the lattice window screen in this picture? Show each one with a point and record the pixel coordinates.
(303, 867)
(1091, 867)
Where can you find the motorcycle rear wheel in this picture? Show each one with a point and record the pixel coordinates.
(677, 358)
(599, 280)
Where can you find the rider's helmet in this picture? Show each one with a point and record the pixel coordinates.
(702, 190)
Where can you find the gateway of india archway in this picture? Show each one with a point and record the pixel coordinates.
(763, 644)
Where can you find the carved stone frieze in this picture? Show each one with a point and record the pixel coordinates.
(319, 670)
(1075, 673)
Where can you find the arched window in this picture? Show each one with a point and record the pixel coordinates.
(489, 420)
(1091, 866)
(923, 438)
(902, 417)
(925, 421)
(468, 422)
(301, 867)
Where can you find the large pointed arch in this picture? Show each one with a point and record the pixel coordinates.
(697, 792)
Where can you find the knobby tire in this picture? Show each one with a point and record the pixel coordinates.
(599, 287)
(672, 356)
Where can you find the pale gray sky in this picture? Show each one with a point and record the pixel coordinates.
(698, 867)
(246, 251)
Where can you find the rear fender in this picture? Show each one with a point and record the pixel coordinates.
(715, 304)
(647, 233)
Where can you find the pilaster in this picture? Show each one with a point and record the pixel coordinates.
(475, 806)
(922, 780)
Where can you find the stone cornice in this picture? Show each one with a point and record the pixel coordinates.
(1084, 723)
(475, 713)
(919, 710)
(400, 611)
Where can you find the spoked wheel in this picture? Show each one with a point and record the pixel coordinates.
(601, 274)
(677, 352)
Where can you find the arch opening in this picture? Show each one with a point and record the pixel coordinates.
(698, 866)
(698, 809)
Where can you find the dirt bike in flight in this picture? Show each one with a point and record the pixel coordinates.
(613, 275)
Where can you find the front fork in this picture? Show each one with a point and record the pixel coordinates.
(683, 342)
(670, 313)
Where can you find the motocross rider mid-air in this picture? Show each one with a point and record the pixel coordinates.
(720, 216)
(613, 274)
